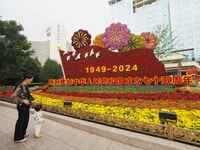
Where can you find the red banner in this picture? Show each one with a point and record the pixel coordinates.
(95, 61)
(162, 80)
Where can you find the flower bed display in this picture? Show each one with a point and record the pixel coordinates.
(135, 103)
(144, 96)
(118, 81)
(147, 115)
(6, 90)
(144, 120)
(101, 59)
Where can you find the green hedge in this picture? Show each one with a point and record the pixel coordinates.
(3, 88)
(112, 89)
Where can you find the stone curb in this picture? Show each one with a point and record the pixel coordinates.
(131, 138)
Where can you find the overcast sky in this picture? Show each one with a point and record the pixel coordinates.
(37, 15)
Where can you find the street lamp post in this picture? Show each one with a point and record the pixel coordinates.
(169, 19)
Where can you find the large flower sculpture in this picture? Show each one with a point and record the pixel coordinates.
(81, 39)
(98, 41)
(150, 40)
(116, 36)
(136, 41)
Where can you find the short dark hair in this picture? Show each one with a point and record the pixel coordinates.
(38, 107)
(27, 76)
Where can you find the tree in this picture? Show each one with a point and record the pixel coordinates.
(166, 42)
(51, 70)
(14, 50)
(32, 66)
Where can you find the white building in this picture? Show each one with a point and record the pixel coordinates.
(41, 50)
(56, 39)
(144, 15)
(57, 35)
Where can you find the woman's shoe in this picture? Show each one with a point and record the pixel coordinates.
(21, 141)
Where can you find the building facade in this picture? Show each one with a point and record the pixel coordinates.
(56, 39)
(41, 50)
(145, 15)
(57, 35)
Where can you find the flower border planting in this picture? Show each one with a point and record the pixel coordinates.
(145, 120)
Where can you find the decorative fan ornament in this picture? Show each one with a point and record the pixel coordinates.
(81, 39)
(150, 40)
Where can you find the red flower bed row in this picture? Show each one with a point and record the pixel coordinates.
(146, 96)
(136, 103)
(6, 93)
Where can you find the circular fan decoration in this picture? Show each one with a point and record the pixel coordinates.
(81, 39)
(150, 40)
(98, 41)
(136, 41)
(116, 36)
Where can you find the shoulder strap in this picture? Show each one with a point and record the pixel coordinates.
(16, 91)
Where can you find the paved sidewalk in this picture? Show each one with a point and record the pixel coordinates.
(55, 136)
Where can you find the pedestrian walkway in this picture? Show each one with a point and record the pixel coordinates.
(55, 136)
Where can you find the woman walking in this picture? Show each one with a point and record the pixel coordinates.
(23, 98)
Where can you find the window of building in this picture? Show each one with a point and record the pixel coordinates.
(141, 3)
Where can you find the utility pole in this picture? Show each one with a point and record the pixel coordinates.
(169, 19)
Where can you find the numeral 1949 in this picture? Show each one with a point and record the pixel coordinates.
(114, 68)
